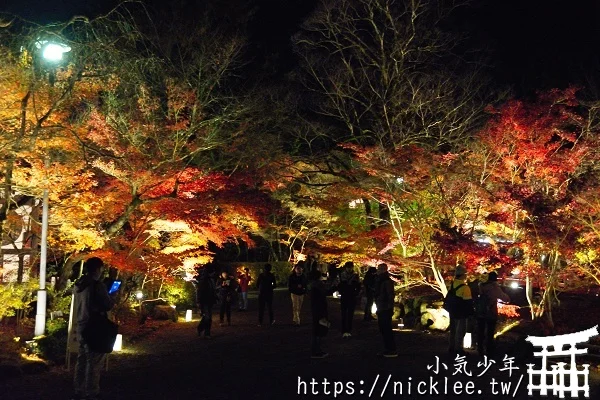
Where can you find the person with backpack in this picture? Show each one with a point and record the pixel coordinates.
(91, 297)
(266, 283)
(459, 304)
(486, 312)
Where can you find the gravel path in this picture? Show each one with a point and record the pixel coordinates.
(244, 361)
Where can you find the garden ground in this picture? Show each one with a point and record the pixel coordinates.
(244, 361)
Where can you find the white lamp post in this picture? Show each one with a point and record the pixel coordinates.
(52, 52)
(40, 315)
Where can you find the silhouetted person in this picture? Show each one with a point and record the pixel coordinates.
(91, 297)
(226, 287)
(244, 282)
(297, 285)
(488, 317)
(349, 288)
(384, 299)
(369, 289)
(206, 299)
(318, 306)
(265, 283)
(459, 317)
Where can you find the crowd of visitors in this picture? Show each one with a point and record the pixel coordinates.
(470, 303)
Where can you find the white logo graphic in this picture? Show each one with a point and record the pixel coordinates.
(558, 378)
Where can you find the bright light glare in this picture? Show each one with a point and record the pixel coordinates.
(118, 346)
(467, 341)
(374, 309)
(514, 285)
(188, 315)
(54, 52)
(139, 295)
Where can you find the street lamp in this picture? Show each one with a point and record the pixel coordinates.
(51, 52)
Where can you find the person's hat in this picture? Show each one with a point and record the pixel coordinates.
(460, 270)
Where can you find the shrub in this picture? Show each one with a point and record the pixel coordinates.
(53, 345)
(180, 293)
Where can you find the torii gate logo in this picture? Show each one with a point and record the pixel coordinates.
(558, 378)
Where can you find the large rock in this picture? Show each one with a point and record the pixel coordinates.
(435, 318)
(164, 313)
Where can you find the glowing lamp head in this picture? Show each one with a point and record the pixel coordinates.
(514, 285)
(52, 52)
(139, 295)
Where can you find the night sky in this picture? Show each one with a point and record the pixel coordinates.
(534, 44)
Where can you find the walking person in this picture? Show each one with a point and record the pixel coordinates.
(318, 306)
(486, 312)
(265, 283)
(460, 313)
(349, 288)
(91, 297)
(244, 282)
(297, 285)
(206, 299)
(384, 299)
(226, 287)
(369, 290)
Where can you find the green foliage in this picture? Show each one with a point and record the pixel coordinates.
(180, 293)
(15, 296)
(52, 346)
(59, 301)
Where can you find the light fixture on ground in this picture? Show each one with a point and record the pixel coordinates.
(467, 341)
(118, 346)
(188, 315)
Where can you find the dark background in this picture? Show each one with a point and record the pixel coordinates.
(533, 44)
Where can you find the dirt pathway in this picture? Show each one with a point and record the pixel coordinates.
(244, 361)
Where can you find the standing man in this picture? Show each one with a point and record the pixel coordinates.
(384, 299)
(297, 284)
(349, 288)
(487, 313)
(369, 288)
(206, 298)
(226, 287)
(463, 310)
(318, 305)
(266, 283)
(91, 297)
(244, 283)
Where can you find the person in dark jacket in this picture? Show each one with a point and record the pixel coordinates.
(459, 318)
(487, 319)
(226, 290)
(349, 288)
(384, 299)
(369, 290)
(206, 299)
(297, 285)
(318, 306)
(265, 283)
(91, 297)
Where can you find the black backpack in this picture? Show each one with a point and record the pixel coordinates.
(484, 307)
(452, 303)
